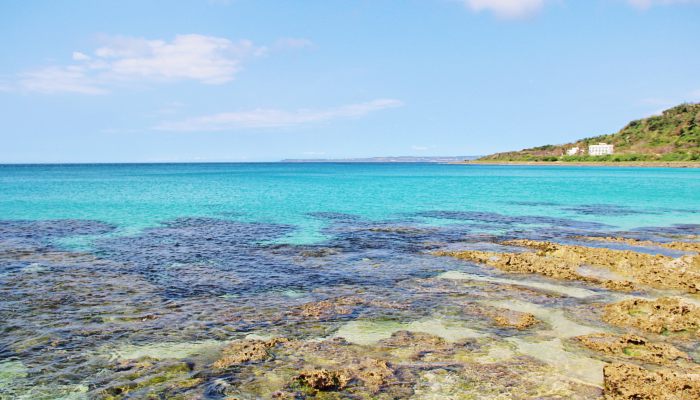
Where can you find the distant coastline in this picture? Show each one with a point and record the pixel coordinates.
(643, 164)
(388, 159)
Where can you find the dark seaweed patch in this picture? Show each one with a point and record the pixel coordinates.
(534, 203)
(606, 210)
(334, 216)
(195, 256)
(42, 232)
(507, 220)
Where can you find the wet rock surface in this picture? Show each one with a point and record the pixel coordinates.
(625, 381)
(245, 351)
(674, 245)
(663, 315)
(632, 346)
(566, 262)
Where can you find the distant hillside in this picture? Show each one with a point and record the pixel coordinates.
(672, 136)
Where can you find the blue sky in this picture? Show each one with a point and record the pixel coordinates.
(257, 80)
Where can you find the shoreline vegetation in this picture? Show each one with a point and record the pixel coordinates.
(561, 163)
(671, 139)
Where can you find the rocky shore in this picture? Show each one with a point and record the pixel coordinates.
(639, 367)
(384, 312)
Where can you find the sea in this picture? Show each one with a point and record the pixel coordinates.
(104, 264)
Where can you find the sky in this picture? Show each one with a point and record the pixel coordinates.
(259, 80)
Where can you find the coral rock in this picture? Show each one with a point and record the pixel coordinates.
(631, 382)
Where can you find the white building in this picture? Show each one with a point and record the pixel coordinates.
(572, 151)
(600, 149)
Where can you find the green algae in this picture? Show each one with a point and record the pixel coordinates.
(166, 350)
(11, 371)
(441, 384)
(499, 351)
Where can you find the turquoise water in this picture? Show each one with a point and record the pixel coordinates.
(134, 197)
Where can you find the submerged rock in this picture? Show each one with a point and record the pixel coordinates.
(503, 317)
(319, 252)
(632, 346)
(419, 346)
(338, 306)
(515, 319)
(631, 382)
(666, 314)
(323, 379)
(369, 372)
(245, 351)
(146, 377)
(329, 308)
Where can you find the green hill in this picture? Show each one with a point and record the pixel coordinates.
(672, 136)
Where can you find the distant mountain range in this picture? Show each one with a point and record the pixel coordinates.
(398, 159)
(672, 136)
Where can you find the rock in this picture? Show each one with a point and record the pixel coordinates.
(414, 339)
(632, 346)
(245, 351)
(514, 319)
(680, 246)
(666, 314)
(134, 378)
(631, 382)
(338, 306)
(319, 252)
(565, 262)
(323, 379)
(373, 373)
(331, 307)
(419, 346)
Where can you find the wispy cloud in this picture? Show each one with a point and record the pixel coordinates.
(71, 79)
(507, 9)
(273, 118)
(420, 148)
(289, 43)
(205, 59)
(645, 4)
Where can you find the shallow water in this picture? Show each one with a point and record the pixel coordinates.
(104, 264)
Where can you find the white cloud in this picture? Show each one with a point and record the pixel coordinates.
(78, 56)
(420, 148)
(205, 59)
(271, 118)
(506, 8)
(644, 4)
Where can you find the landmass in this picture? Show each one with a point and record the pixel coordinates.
(671, 139)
